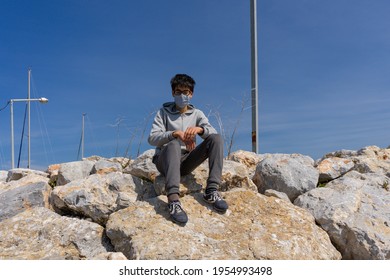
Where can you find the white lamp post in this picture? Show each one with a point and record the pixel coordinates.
(41, 100)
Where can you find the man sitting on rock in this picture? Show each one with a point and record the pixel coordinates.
(173, 133)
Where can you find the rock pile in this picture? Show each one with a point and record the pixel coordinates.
(281, 206)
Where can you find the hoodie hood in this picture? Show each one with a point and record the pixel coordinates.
(170, 107)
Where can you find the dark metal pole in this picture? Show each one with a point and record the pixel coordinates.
(82, 137)
(12, 134)
(29, 119)
(254, 78)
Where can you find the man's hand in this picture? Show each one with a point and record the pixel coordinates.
(191, 132)
(188, 137)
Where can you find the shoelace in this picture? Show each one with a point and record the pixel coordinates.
(215, 196)
(175, 207)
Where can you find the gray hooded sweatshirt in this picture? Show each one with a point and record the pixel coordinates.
(169, 119)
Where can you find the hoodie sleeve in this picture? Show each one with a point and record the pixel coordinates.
(205, 124)
(159, 135)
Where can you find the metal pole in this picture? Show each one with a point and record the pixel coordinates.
(254, 78)
(29, 122)
(41, 100)
(82, 139)
(12, 134)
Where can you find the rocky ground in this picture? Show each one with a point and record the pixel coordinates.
(281, 206)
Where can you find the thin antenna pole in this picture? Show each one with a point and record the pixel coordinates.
(254, 78)
(29, 120)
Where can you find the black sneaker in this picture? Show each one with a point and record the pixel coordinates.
(177, 213)
(217, 201)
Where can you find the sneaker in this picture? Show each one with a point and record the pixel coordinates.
(177, 213)
(217, 201)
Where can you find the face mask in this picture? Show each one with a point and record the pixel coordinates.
(182, 100)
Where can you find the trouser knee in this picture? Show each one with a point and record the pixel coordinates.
(215, 138)
(214, 142)
(174, 144)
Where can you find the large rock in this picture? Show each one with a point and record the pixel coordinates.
(19, 199)
(280, 195)
(18, 173)
(255, 227)
(95, 197)
(75, 170)
(355, 211)
(24, 181)
(105, 166)
(249, 159)
(292, 174)
(123, 161)
(236, 175)
(373, 159)
(334, 167)
(370, 159)
(341, 154)
(143, 167)
(39, 233)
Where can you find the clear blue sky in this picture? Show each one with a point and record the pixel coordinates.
(323, 71)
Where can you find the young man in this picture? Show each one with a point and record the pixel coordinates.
(173, 133)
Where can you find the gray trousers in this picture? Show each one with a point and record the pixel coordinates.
(173, 164)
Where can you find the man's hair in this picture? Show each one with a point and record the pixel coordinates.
(182, 80)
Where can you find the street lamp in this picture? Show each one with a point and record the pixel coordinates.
(11, 102)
